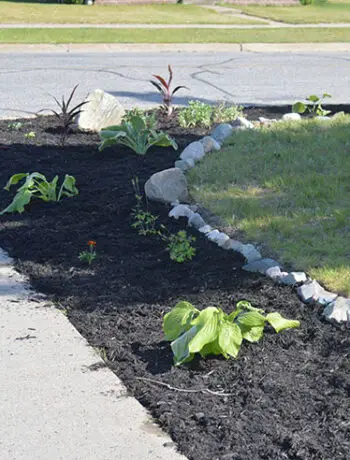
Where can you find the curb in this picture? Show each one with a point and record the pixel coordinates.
(177, 47)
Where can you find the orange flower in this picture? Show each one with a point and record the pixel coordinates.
(92, 243)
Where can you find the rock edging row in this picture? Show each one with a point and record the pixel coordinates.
(170, 186)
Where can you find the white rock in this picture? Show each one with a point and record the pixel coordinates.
(319, 117)
(242, 123)
(221, 132)
(167, 186)
(196, 221)
(103, 110)
(260, 265)
(213, 235)
(232, 245)
(291, 116)
(274, 272)
(209, 144)
(338, 310)
(206, 229)
(311, 291)
(184, 165)
(222, 239)
(267, 121)
(194, 151)
(181, 210)
(293, 278)
(250, 252)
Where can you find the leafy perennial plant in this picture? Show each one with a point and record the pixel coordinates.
(135, 134)
(37, 186)
(214, 332)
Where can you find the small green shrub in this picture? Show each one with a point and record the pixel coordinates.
(214, 332)
(37, 186)
(136, 135)
(180, 246)
(313, 105)
(205, 115)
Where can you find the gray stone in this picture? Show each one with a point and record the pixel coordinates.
(221, 132)
(181, 210)
(242, 123)
(293, 278)
(194, 151)
(222, 240)
(311, 291)
(250, 253)
(213, 235)
(232, 245)
(291, 117)
(196, 221)
(167, 186)
(103, 110)
(206, 229)
(338, 311)
(260, 266)
(267, 121)
(209, 144)
(184, 165)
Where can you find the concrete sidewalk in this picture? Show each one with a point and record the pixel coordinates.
(58, 400)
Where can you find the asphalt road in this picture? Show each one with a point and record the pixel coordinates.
(28, 80)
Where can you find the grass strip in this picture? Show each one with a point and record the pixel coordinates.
(288, 187)
(88, 35)
(22, 12)
(330, 12)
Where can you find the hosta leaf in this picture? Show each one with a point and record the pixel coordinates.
(230, 339)
(15, 179)
(20, 200)
(252, 334)
(207, 326)
(180, 346)
(279, 323)
(178, 320)
(299, 107)
(313, 98)
(212, 348)
(251, 319)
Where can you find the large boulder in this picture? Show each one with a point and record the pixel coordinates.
(102, 110)
(167, 186)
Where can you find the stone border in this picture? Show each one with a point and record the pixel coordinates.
(337, 308)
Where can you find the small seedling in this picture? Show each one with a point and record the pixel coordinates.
(180, 246)
(164, 87)
(90, 255)
(313, 105)
(15, 126)
(30, 135)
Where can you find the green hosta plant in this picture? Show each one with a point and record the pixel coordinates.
(37, 186)
(313, 105)
(136, 135)
(214, 332)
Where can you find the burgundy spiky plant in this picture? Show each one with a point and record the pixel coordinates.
(164, 87)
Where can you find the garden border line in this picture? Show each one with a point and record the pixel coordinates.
(337, 308)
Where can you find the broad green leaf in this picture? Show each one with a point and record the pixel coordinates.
(230, 339)
(180, 346)
(20, 200)
(15, 179)
(252, 334)
(299, 107)
(313, 98)
(279, 323)
(68, 187)
(212, 348)
(207, 326)
(251, 319)
(178, 320)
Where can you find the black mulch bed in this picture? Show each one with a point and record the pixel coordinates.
(290, 393)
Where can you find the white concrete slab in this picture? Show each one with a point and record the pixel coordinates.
(53, 405)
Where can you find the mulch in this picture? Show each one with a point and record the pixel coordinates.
(288, 397)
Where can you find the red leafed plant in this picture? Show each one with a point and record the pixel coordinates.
(165, 90)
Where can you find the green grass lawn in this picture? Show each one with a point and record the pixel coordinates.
(21, 12)
(86, 35)
(288, 187)
(334, 11)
